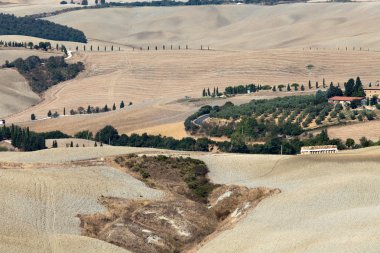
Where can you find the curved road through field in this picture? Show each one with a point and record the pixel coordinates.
(199, 121)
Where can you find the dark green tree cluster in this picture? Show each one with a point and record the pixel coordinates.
(28, 26)
(354, 88)
(244, 89)
(44, 73)
(333, 91)
(22, 138)
(30, 45)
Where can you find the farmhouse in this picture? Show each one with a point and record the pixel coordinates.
(346, 100)
(310, 150)
(372, 91)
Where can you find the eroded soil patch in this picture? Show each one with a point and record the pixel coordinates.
(193, 209)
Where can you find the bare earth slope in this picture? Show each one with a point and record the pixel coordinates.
(40, 204)
(327, 204)
(234, 26)
(16, 94)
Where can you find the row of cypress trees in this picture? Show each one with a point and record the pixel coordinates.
(22, 138)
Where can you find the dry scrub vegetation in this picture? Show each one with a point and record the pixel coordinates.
(193, 208)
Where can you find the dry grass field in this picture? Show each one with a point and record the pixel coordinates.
(15, 93)
(328, 203)
(154, 80)
(39, 206)
(234, 26)
(325, 200)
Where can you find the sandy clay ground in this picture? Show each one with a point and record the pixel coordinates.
(16, 94)
(328, 203)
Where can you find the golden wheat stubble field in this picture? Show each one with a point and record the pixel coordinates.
(154, 80)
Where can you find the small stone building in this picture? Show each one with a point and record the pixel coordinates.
(372, 91)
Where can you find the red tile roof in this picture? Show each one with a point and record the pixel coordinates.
(338, 98)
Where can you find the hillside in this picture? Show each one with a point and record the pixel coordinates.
(338, 190)
(16, 95)
(234, 26)
(325, 202)
(156, 82)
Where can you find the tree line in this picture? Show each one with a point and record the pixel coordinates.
(26, 140)
(81, 110)
(28, 26)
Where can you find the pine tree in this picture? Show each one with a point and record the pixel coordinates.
(95, 145)
(33, 116)
(71, 144)
(114, 107)
(302, 88)
(77, 145)
(122, 104)
(49, 114)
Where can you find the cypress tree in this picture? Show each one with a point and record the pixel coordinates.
(122, 104)
(114, 107)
